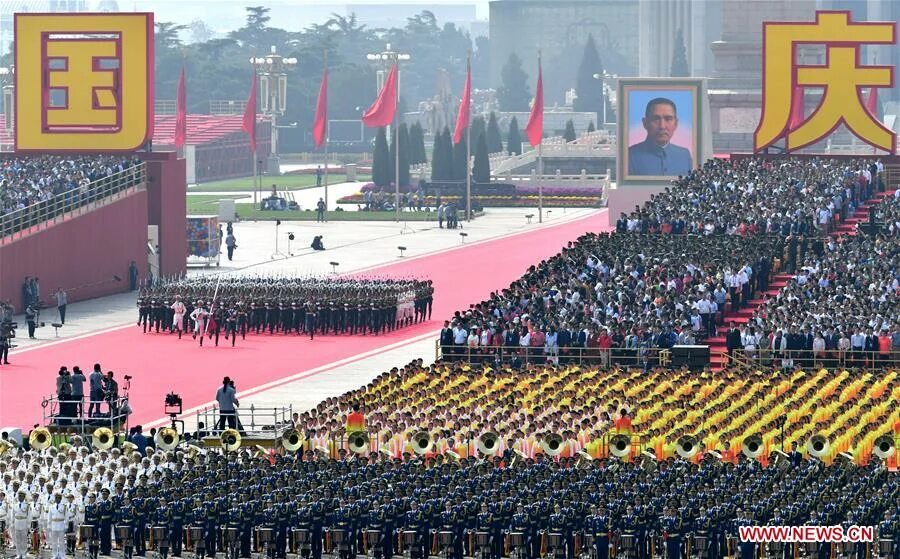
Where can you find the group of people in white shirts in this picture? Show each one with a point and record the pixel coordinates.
(43, 494)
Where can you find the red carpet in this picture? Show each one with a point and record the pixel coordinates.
(161, 363)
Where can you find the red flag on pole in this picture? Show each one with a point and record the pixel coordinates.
(321, 122)
(181, 113)
(872, 102)
(249, 125)
(796, 109)
(381, 113)
(465, 107)
(535, 127)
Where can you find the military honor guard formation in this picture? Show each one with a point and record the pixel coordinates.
(236, 306)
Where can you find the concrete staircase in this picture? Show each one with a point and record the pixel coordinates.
(717, 344)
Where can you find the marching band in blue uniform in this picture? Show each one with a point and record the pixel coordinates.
(469, 507)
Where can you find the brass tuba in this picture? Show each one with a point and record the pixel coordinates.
(40, 439)
(487, 443)
(292, 440)
(818, 446)
(358, 442)
(230, 440)
(687, 446)
(620, 446)
(421, 442)
(166, 438)
(552, 444)
(102, 438)
(752, 446)
(884, 447)
(4, 447)
(129, 447)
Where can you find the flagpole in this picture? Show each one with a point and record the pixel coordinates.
(540, 159)
(325, 58)
(469, 143)
(397, 150)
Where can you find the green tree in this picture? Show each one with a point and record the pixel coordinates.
(460, 163)
(494, 140)
(479, 127)
(416, 145)
(438, 165)
(514, 138)
(447, 147)
(404, 155)
(591, 127)
(570, 134)
(513, 92)
(381, 160)
(481, 172)
(679, 57)
(590, 91)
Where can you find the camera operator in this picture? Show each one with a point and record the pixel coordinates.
(7, 333)
(31, 317)
(111, 394)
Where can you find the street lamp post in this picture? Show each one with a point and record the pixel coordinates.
(7, 89)
(603, 77)
(272, 71)
(388, 57)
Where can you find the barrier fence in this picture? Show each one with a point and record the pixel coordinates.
(814, 359)
(72, 415)
(41, 213)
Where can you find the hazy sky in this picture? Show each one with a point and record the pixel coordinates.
(175, 9)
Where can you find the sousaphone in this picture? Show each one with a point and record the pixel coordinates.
(358, 442)
(752, 446)
(230, 440)
(40, 439)
(488, 443)
(687, 446)
(292, 440)
(421, 442)
(552, 444)
(166, 438)
(620, 446)
(102, 438)
(818, 446)
(884, 447)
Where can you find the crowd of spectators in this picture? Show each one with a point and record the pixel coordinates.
(758, 196)
(623, 290)
(705, 246)
(841, 304)
(28, 180)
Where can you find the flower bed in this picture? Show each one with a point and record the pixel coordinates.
(503, 201)
(587, 191)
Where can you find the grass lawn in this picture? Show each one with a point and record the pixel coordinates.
(206, 205)
(290, 182)
(247, 212)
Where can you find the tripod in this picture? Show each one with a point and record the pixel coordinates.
(277, 252)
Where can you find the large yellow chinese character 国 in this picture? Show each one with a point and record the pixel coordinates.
(84, 82)
(841, 77)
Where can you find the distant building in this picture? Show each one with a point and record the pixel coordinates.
(8, 9)
(560, 29)
(700, 21)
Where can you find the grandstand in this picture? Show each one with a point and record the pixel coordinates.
(219, 148)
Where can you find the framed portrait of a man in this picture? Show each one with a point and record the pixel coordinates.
(659, 129)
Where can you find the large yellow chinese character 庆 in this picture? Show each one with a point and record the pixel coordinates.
(841, 77)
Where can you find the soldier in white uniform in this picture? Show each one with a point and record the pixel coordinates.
(72, 522)
(57, 525)
(21, 521)
(5, 513)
